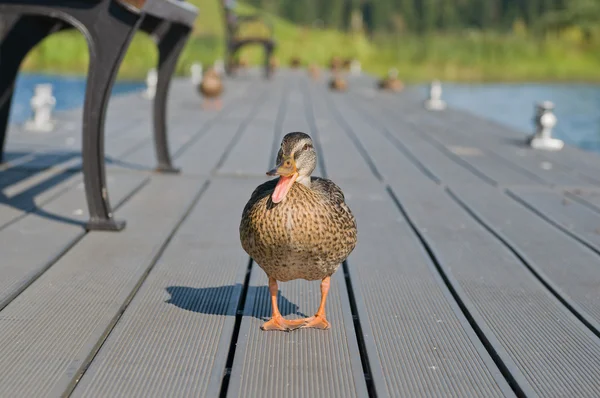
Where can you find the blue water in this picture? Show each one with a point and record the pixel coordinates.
(577, 107)
(68, 91)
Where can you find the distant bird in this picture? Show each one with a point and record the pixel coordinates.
(295, 62)
(273, 62)
(338, 83)
(297, 227)
(211, 88)
(391, 82)
(347, 63)
(335, 64)
(314, 71)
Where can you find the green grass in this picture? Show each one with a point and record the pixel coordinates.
(469, 56)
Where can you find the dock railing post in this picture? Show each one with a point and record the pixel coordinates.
(544, 121)
(196, 72)
(151, 82)
(435, 102)
(42, 104)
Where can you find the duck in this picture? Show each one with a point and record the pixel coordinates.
(335, 64)
(211, 88)
(391, 82)
(314, 72)
(297, 226)
(273, 62)
(338, 83)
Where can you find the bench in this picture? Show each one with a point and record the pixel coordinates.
(243, 30)
(109, 26)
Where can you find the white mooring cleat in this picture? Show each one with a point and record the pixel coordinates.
(544, 121)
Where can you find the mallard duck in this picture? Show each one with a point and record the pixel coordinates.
(338, 83)
(313, 71)
(391, 82)
(295, 62)
(335, 63)
(211, 88)
(273, 62)
(347, 63)
(297, 227)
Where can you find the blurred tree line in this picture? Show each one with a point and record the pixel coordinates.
(426, 16)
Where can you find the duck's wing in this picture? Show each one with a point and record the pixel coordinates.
(328, 189)
(260, 192)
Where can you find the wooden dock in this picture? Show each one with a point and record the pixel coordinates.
(476, 274)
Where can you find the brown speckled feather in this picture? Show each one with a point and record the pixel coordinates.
(306, 236)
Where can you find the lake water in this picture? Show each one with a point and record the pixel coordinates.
(68, 91)
(577, 107)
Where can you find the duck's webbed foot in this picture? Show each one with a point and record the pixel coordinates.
(316, 322)
(319, 321)
(280, 323)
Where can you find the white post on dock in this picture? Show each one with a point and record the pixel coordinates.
(219, 66)
(435, 102)
(196, 71)
(42, 104)
(355, 68)
(151, 81)
(544, 121)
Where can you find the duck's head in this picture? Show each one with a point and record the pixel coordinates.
(296, 161)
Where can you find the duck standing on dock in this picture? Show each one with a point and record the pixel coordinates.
(391, 81)
(314, 71)
(211, 88)
(338, 83)
(297, 227)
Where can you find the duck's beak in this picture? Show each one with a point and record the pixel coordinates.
(287, 172)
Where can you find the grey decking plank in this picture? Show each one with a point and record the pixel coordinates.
(49, 231)
(478, 157)
(333, 140)
(61, 317)
(412, 319)
(572, 216)
(304, 363)
(444, 168)
(547, 248)
(535, 162)
(495, 291)
(251, 151)
(589, 197)
(581, 161)
(407, 315)
(552, 346)
(174, 337)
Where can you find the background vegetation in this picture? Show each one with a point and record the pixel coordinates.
(463, 40)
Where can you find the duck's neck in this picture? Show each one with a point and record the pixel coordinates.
(304, 180)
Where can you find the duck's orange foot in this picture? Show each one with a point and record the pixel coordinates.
(285, 325)
(316, 322)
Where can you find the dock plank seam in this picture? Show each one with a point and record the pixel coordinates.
(508, 369)
(358, 328)
(111, 325)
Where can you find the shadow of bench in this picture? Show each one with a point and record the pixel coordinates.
(236, 37)
(108, 26)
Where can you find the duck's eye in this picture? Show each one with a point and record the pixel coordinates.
(307, 147)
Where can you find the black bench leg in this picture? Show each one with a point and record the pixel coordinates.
(170, 42)
(22, 34)
(109, 36)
